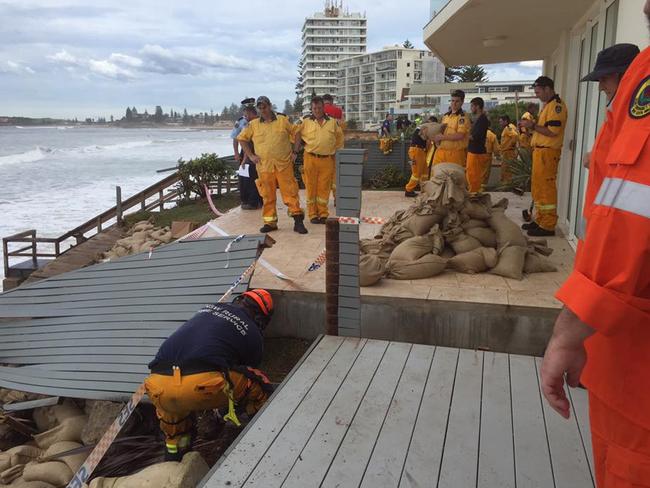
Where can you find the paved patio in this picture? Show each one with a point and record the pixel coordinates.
(293, 254)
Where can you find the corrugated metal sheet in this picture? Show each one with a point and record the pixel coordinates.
(377, 160)
(90, 333)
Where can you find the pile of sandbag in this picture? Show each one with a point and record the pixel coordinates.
(448, 228)
(34, 465)
(141, 238)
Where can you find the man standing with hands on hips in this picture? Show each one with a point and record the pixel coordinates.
(273, 134)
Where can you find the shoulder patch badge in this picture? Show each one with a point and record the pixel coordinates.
(640, 101)
(558, 108)
(461, 120)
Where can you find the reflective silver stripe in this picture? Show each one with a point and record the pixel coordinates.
(625, 195)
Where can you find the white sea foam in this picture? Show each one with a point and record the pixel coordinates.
(114, 147)
(26, 157)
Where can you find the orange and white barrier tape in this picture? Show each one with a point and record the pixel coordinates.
(97, 454)
(210, 202)
(365, 220)
(195, 234)
(318, 262)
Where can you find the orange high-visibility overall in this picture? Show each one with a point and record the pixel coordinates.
(609, 288)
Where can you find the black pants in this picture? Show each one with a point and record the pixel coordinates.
(248, 190)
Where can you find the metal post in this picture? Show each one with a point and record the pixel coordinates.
(118, 204)
(99, 224)
(5, 256)
(34, 259)
(161, 196)
(332, 276)
(143, 203)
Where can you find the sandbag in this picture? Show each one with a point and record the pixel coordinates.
(56, 473)
(397, 234)
(68, 430)
(508, 233)
(447, 252)
(460, 242)
(475, 261)
(9, 475)
(377, 247)
(186, 474)
(535, 263)
(476, 209)
(511, 262)
(486, 236)
(412, 249)
(448, 186)
(473, 223)
(73, 461)
(21, 483)
(23, 454)
(427, 266)
(371, 269)
(421, 224)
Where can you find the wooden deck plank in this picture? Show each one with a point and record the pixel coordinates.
(235, 469)
(425, 452)
(318, 453)
(460, 458)
(274, 467)
(354, 452)
(580, 406)
(387, 460)
(570, 465)
(496, 467)
(532, 457)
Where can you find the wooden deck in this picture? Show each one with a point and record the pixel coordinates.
(367, 413)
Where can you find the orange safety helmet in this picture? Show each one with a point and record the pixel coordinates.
(262, 298)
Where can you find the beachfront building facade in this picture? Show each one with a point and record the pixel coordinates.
(327, 37)
(370, 84)
(567, 36)
(434, 98)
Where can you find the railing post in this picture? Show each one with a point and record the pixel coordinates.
(57, 248)
(118, 205)
(5, 257)
(34, 259)
(219, 184)
(99, 224)
(143, 205)
(227, 184)
(161, 196)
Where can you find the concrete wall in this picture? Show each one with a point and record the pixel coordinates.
(500, 328)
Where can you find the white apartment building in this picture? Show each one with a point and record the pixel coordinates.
(327, 37)
(434, 98)
(567, 35)
(369, 84)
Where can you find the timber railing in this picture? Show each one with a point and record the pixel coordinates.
(104, 220)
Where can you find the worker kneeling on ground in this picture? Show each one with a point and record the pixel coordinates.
(208, 364)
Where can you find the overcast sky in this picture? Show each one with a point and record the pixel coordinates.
(81, 58)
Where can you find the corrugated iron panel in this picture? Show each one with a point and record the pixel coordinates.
(90, 333)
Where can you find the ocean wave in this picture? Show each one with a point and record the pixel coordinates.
(116, 147)
(26, 157)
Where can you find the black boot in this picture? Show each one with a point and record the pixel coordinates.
(298, 225)
(268, 228)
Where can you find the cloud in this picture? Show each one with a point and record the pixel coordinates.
(109, 70)
(532, 64)
(63, 57)
(15, 68)
(125, 60)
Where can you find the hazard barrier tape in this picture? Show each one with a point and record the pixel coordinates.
(97, 454)
(274, 271)
(209, 198)
(358, 220)
(318, 262)
(196, 234)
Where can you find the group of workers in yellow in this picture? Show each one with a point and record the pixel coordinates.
(472, 145)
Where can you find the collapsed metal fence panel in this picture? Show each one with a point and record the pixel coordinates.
(90, 333)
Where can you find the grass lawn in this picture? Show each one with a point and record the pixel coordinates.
(196, 211)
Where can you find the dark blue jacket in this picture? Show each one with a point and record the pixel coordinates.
(219, 336)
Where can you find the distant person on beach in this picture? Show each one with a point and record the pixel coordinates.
(248, 194)
(272, 135)
(207, 364)
(322, 136)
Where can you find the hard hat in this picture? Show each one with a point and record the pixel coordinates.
(262, 298)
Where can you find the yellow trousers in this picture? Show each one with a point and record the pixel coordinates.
(177, 397)
(319, 176)
(267, 184)
(478, 170)
(543, 186)
(386, 145)
(458, 156)
(419, 168)
(509, 155)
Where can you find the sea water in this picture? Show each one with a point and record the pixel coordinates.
(53, 179)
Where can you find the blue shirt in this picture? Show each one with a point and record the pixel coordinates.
(218, 336)
(240, 125)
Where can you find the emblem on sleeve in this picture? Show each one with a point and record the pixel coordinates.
(558, 109)
(640, 102)
(461, 121)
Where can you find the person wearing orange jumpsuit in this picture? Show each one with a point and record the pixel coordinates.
(602, 335)
(478, 161)
(452, 143)
(322, 136)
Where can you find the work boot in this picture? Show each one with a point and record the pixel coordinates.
(410, 194)
(530, 226)
(315, 220)
(268, 228)
(298, 225)
(247, 206)
(540, 232)
(322, 220)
